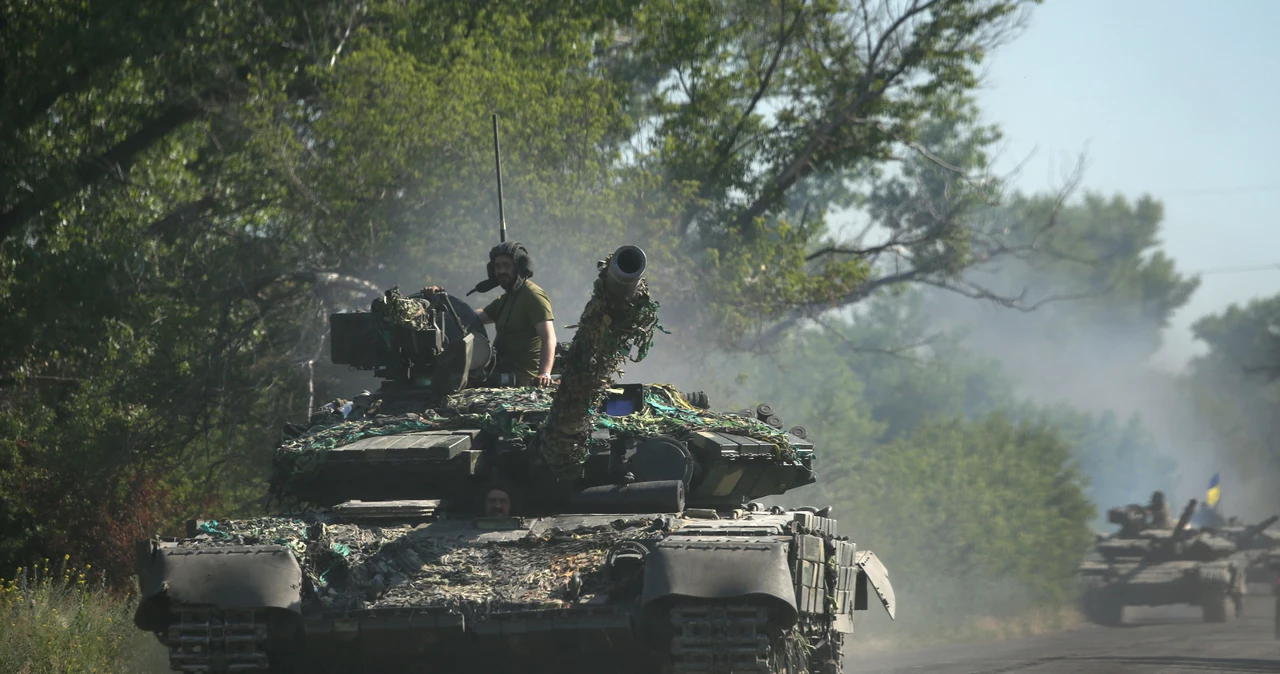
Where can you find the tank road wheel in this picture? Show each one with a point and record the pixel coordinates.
(1216, 609)
(1102, 609)
(828, 658)
(1276, 626)
(720, 638)
(1242, 589)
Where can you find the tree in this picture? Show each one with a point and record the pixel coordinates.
(1244, 337)
(1238, 394)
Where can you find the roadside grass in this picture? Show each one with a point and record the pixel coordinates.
(63, 620)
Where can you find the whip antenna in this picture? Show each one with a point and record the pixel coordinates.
(497, 162)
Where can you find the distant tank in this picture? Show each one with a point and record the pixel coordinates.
(1255, 544)
(1148, 566)
(437, 526)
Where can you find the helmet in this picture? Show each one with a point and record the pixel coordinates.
(518, 254)
(1157, 497)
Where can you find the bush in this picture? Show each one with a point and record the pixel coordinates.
(67, 621)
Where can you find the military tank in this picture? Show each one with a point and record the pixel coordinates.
(439, 524)
(1254, 544)
(1145, 565)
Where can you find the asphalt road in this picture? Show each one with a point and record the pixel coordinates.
(1154, 640)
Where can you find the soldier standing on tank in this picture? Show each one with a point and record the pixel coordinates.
(1159, 509)
(522, 316)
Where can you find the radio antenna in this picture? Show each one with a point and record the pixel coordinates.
(497, 162)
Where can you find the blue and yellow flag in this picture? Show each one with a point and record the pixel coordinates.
(1211, 496)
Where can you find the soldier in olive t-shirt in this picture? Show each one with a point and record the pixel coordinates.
(516, 317)
(526, 336)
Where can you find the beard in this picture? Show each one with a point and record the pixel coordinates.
(509, 283)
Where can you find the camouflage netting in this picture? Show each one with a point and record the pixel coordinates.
(357, 567)
(406, 311)
(611, 327)
(517, 413)
(668, 413)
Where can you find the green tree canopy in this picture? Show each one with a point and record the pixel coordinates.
(1235, 384)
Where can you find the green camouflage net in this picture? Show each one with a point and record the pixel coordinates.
(611, 328)
(666, 412)
(364, 566)
(406, 311)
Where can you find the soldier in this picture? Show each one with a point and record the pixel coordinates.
(497, 502)
(1160, 517)
(526, 336)
(525, 343)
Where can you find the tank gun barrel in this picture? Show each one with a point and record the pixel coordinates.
(618, 318)
(1252, 532)
(1186, 517)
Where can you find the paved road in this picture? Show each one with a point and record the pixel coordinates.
(1163, 640)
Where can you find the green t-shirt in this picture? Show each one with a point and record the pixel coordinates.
(515, 317)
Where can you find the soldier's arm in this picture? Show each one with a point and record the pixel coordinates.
(547, 333)
(483, 317)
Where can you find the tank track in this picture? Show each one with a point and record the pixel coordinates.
(203, 639)
(720, 639)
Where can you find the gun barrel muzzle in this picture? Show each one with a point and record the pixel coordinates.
(626, 267)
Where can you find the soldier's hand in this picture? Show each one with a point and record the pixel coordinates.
(543, 380)
(432, 290)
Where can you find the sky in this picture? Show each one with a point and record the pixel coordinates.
(1172, 98)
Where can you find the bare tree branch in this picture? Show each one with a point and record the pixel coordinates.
(116, 159)
(901, 352)
(726, 148)
(351, 22)
(1017, 302)
(328, 280)
(801, 164)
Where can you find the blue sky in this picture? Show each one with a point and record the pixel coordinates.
(1173, 98)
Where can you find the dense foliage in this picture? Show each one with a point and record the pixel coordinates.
(56, 619)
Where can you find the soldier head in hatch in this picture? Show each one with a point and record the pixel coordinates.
(1160, 516)
(497, 502)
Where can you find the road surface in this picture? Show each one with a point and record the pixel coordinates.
(1154, 640)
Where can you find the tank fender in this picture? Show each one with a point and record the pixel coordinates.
(231, 577)
(722, 567)
(871, 571)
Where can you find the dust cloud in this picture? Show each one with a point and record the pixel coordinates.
(1059, 355)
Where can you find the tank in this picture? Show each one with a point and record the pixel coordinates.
(1255, 544)
(1144, 565)
(442, 525)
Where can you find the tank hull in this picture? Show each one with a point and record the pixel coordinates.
(1218, 587)
(650, 593)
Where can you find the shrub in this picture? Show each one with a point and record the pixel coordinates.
(67, 621)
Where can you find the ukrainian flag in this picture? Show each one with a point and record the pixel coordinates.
(1211, 496)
